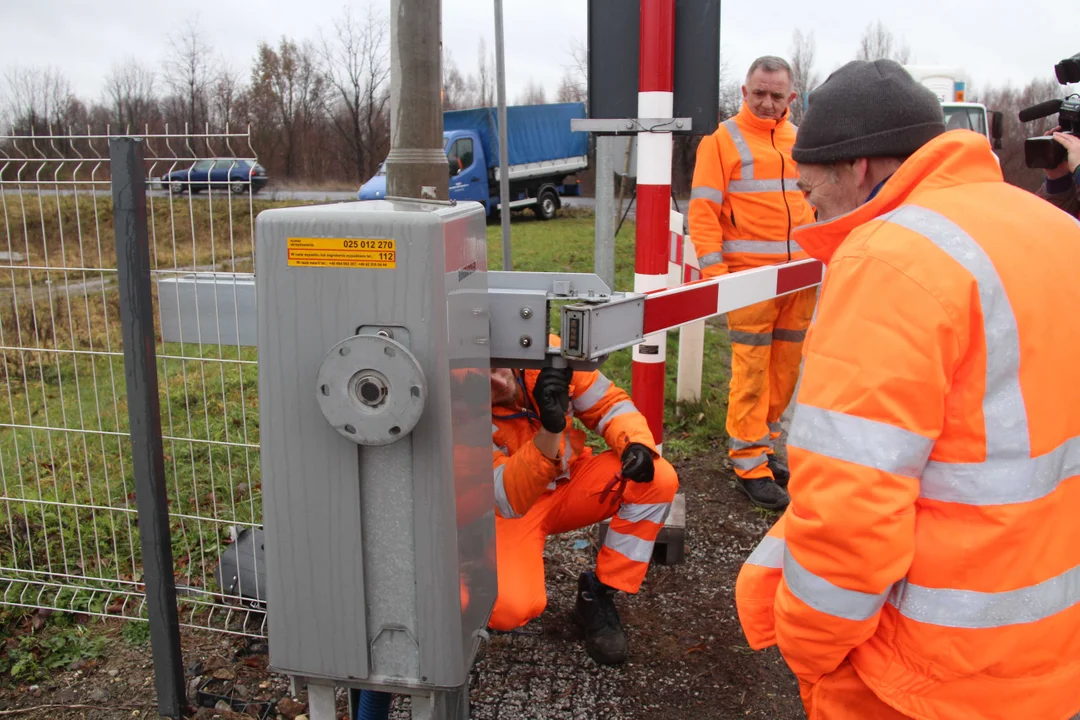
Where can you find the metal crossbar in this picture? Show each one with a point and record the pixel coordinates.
(68, 538)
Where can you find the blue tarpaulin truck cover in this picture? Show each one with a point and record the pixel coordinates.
(535, 133)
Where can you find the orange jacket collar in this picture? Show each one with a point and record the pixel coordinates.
(958, 157)
(752, 121)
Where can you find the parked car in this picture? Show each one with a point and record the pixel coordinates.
(220, 173)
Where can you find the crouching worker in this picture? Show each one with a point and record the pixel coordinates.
(548, 482)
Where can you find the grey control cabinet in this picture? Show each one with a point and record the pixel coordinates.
(375, 417)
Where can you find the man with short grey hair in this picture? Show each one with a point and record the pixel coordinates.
(743, 208)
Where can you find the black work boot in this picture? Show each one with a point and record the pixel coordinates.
(780, 471)
(764, 493)
(595, 613)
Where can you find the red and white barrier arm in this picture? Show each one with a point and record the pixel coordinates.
(595, 331)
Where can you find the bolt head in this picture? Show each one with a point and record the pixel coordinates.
(526, 341)
(526, 312)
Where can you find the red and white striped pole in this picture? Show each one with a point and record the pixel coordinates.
(655, 100)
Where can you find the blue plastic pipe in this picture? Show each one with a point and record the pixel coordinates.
(373, 705)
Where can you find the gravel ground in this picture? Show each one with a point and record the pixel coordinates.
(688, 657)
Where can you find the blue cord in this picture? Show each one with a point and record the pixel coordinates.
(373, 705)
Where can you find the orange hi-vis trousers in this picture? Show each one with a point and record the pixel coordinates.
(766, 350)
(636, 520)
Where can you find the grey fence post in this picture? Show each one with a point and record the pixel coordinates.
(140, 373)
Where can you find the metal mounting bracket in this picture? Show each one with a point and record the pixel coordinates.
(631, 125)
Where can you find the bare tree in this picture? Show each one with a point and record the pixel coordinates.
(130, 94)
(730, 90)
(458, 91)
(38, 98)
(225, 94)
(486, 76)
(576, 73)
(289, 81)
(355, 65)
(803, 51)
(569, 90)
(187, 72)
(534, 94)
(878, 43)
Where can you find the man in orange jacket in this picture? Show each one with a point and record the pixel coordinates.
(928, 565)
(547, 481)
(743, 208)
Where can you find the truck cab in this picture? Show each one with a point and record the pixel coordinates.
(468, 167)
(544, 155)
(471, 181)
(950, 86)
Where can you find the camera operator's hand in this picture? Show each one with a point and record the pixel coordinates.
(552, 395)
(1061, 170)
(1072, 144)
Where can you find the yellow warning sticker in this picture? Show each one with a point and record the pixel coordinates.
(371, 253)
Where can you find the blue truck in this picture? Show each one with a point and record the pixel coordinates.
(543, 157)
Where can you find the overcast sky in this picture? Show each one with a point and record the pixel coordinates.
(995, 40)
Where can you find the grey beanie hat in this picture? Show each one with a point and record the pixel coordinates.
(867, 109)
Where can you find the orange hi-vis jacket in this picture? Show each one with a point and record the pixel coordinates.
(744, 203)
(523, 473)
(932, 538)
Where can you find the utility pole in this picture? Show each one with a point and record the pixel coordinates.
(416, 166)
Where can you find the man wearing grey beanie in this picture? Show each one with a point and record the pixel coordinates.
(926, 565)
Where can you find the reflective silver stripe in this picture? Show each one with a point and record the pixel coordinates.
(969, 609)
(499, 449)
(823, 596)
(501, 501)
(631, 546)
(749, 463)
(749, 338)
(1009, 473)
(761, 247)
(586, 400)
(494, 428)
(972, 609)
(761, 186)
(794, 336)
(1002, 482)
(1003, 404)
(860, 441)
(653, 512)
(737, 444)
(710, 259)
(745, 155)
(768, 553)
(775, 427)
(619, 408)
(708, 193)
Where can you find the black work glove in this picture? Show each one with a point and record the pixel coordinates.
(552, 395)
(637, 463)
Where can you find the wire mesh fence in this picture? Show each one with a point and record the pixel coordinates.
(70, 540)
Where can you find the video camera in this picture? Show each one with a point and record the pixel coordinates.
(1045, 152)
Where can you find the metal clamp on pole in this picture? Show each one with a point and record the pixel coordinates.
(520, 315)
